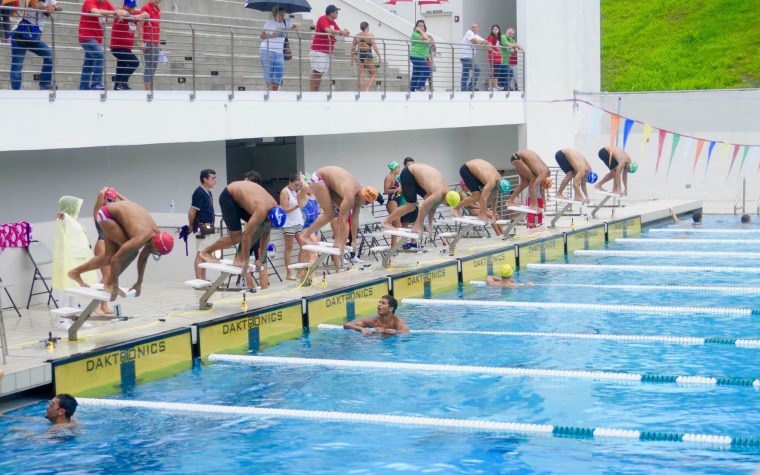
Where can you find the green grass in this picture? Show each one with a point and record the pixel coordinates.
(665, 45)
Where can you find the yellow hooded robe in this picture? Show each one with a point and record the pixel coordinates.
(72, 248)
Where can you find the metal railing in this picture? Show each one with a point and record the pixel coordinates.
(213, 57)
(741, 193)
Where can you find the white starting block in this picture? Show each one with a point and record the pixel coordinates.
(403, 236)
(607, 195)
(226, 270)
(324, 249)
(96, 296)
(568, 205)
(523, 210)
(465, 226)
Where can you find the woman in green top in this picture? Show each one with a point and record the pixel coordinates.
(418, 56)
(509, 58)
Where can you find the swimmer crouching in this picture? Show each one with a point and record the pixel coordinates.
(506, 281)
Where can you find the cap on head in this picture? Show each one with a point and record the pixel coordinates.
(452, 198)
(393, 165)
(111, 195)
(505, 185)
(277, 217)
(507, 271)
(307, 179)
(632, 167)
(369, 194)
(547, 183)
(591, 177)
(164, 243)
(407, 160)
(331, 9)
(130, 3)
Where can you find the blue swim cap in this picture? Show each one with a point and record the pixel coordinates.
(310, 212)
(505, 185)
(592, 177)
(277, 217)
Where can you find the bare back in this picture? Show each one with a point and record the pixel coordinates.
(340, 182)
(484, 171)
(252, 197)
(619, 155)
(132, 218)
(430, 179)
(577, 160)
(533, 161)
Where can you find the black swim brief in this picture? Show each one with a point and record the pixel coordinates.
(410, 217)
(605, 156)
(562, 161)
(409, 186)
(472, 183)
(232, 213)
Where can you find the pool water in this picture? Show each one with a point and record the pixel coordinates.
(129, 440)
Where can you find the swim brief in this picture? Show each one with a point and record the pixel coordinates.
(103, 215)
(470, 181)
(409, 186)
(232, 213)
(562, 161)
(605, 156)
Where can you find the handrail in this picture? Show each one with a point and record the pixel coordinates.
(742, 191)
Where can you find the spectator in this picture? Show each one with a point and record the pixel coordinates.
(509, 59)
(43, 9)
(150, 34)
(5, 19)
(323, 45)
(122, 42)
(201, 218)
(362, 48)
(272, 49)
(419, 55)
(467, 58)
(495, 59)
(91, 32)
(392, 188)
(290, 196)
(431, 64)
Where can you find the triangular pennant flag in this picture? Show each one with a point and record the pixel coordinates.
(627, 126)
(686, 152)
(723, 151)
(660, 143)
(733, 159)
(614, 122)
(700, 144)
(744, 157)
(644, 139)
(676, 139)
(709, 154)
(594, 120)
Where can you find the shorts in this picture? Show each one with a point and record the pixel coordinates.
(409, 186)
(562, 162)
(202, 242)
(320, 62)
(292, 230)
(605, 156)
(232, 213)
(273, 65)
(472, 183)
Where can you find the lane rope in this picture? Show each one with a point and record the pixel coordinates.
(630, 267)
(700, 254)
(543, 430)
(725, 289)
(497, 370)
(581, 306)
(704, 231)
(681, 340)
(686, 241)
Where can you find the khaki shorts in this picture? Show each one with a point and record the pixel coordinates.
(320, 62)
(206, 241)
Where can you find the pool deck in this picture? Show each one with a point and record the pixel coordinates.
(173, 305)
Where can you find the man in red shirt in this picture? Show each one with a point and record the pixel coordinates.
(122, 41)
(149, 33)
(91, 30)
(323, 45)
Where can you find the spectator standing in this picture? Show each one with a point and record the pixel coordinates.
(122, 42)
(323, 45)
(5, 19)
(495, 58)
(419, 56)
(43, 9)
(509, 50)
(201, 218)
(361, 49)
(150, 34)
(290, 196)
(91, 32)
(272, 49)
(467, 58)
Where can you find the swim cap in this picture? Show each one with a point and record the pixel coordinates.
(507, 271)
(307, 179)
(369, 194)
(505, 185)
(592, 177)
(452, 198)
(277, 217)
(393, 166)
(111, 195)
(632, 167)
(163, 242)
(547, 183)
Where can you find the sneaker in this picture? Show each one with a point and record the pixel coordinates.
(356, 260)
(120, 87)
(97, 87)
(47, 87)
(126, 86)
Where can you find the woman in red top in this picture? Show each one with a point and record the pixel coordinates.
(150, 32)
(122, 41)
(494, 58)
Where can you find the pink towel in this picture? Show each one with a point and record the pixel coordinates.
(15, 235)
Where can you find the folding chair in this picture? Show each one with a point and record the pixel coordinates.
(13, 304)
(40, 255)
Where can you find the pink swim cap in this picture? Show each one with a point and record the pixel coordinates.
(164, 242)
(111, 195)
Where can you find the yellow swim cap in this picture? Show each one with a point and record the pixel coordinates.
(452, 198)
(507, 271)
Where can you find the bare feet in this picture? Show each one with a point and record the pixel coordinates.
(76, 278)
(456, 212)
(417, 231)
(598, 187)
(104, 310)
(387, 225)
(208, 257)
(114, 291)
(562, 196)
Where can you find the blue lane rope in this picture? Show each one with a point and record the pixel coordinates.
(724, 289)
(497, 370)
(539, 430)
(685, 241)
(704, 231)
(700, 254)
(644, 268)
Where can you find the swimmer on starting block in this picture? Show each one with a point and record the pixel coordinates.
(385, 321)
(620, 164)
(577, 169)
(127, 227)
(419, 179)
(506, 281)
(533, 175)
(484, 183)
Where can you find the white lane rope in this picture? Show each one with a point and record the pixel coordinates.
(539, 430)
(693, 254)
(579, 306)
(705, 231)
(680, 340)
(685, 241)
(724, 289)
(644, 268)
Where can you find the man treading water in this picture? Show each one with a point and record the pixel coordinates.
(385, 322)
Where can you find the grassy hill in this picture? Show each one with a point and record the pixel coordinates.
(661, 45)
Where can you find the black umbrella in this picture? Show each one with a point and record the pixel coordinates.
(290, 6)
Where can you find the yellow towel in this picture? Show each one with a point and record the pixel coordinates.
(71, 245)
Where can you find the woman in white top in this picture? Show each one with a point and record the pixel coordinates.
(291, 230)
(272, 47)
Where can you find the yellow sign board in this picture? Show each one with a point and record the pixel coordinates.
(543, 251)
(626, 228)
(478, 268)
(338, 307)
(427, 282)
(590, 238)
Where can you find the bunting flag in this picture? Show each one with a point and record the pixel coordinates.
(594, 121)
(709, 154)
(723, 152)
(676, 139)
(687, 142)
(644, 139)
(700, 144)
(733, 159)
(614, 122)
(744, 157)
(660, 143)
(627, 126)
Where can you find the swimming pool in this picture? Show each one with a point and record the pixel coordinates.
(121, 440)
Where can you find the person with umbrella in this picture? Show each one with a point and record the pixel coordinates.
(273, 38)
(323, 45)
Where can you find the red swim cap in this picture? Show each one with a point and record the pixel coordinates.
(164, 242)
(111, 195)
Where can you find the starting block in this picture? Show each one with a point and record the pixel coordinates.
(403, 236)
(465, 226)
(96, 296)
(568, 205)
(226, 270)
(607, 195)
(523, 210)
(325, 250)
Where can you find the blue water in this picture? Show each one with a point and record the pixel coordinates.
(129, 440)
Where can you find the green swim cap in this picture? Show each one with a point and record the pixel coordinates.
(632, 167)
(505, 185)
(393, 165)
(507, 271)
(307, 179)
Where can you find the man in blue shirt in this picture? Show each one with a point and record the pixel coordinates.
(201, 216)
